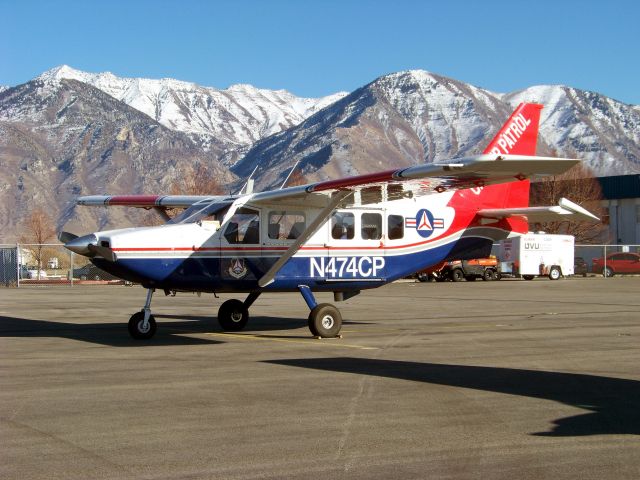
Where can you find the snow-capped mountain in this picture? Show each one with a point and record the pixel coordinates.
(233, 118)
(413, 117)
(68, 133)
(68, 139)
(600, 130)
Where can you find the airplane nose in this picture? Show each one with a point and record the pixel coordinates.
(82, 245)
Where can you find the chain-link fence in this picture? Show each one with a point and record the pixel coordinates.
(48, 264)
(52, 264)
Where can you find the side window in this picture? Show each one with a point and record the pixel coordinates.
(243, 227)
(371, 228)
(342, 226)
(286, 225)
(395, 227)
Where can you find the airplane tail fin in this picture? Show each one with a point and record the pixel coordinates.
(519, 134)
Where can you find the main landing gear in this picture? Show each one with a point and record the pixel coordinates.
(324, 320)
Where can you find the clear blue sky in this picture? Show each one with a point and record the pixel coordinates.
(316, 48)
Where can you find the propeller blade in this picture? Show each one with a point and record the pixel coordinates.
(66, 237)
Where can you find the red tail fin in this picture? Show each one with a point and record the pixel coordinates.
(519, 135)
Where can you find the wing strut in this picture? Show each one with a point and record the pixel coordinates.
(337, 197)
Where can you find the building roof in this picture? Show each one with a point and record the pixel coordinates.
(620, 186)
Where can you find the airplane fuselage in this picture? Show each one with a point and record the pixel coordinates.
(357, 248)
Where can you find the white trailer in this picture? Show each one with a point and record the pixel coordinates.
(537, 254)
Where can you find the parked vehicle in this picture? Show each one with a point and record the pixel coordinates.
(91, 272)
(580, 266)
(470, 270)
(532, 255)
(33, 273)
(617, 263)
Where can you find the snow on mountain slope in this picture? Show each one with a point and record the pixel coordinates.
(600, 130)
(235, 117)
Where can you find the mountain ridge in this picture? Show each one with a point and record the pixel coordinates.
(65, 137)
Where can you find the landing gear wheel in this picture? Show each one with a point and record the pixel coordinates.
(233, 315)
(554, 273)
(489, 275)
(457, 275)
(527, 277)
(607, 272)
(325, 321)
(136, 326)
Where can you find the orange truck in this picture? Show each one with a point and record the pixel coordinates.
(458, 270)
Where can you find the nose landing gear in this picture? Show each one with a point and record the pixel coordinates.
(142, 325)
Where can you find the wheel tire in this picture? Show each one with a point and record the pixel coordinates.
(608, 272)
(457, 275)
(135, 326)
(325, 321)
(422, 277)
(233, 316)
(489, 275)
(527, 277)
(555, 273)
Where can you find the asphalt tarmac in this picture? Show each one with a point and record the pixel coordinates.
(484, 380)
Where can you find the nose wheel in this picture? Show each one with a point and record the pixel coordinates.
(142, 325)
(139, 329)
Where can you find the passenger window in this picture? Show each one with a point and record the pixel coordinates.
(286, 225)
(395, 227)
(371, 228)
(243, 227)
(342, 226)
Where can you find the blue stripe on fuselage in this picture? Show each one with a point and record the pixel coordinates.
(211, 274)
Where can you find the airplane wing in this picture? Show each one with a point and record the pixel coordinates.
(145, 201)
(424, 179)
(565, 208)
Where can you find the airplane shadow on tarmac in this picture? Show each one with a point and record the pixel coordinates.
(613, 403)
(169, 333)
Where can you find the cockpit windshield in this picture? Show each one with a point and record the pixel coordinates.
(202, 211)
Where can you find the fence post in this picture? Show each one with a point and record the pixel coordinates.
(71, 268)
(18, 269)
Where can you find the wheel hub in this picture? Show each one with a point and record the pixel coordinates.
(327, 322)
(236, 317)
(142, 328)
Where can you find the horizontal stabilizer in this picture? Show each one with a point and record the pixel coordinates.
(565, 208)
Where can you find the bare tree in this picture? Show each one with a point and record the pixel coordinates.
(296, 178)
(194, 180)
(198, 180)
(579, 185)
(38, 228)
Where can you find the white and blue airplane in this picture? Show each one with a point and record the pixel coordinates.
(340, 236)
